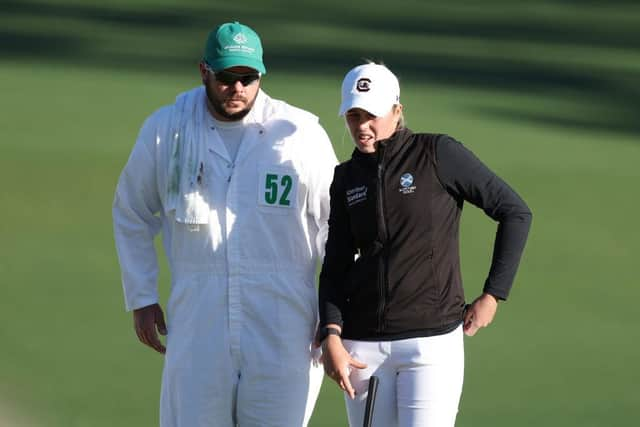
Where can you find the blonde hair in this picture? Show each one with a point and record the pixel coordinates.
(401, 120)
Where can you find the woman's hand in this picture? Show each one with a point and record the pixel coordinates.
(338, 363)
(480, 313)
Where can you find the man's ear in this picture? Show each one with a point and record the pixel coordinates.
(203, 72)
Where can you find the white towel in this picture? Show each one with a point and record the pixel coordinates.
(186, 186)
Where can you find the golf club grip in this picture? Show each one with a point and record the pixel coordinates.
(371, 401)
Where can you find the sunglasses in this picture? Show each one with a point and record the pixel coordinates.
(229, 78)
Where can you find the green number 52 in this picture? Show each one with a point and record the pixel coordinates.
(278, 189)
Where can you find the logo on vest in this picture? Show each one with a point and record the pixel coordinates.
(356, 195)
(406, 184)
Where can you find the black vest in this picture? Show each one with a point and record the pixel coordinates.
(406, 282)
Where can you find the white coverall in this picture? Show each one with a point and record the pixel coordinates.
(243, 306)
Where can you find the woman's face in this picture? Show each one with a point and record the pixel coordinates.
(366, 129)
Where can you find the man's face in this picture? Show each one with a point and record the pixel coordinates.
(232, 92)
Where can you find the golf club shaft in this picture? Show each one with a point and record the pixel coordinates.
(371, 400)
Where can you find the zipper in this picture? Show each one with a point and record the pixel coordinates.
(382, 223)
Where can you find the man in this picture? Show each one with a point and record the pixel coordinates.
(238, 183)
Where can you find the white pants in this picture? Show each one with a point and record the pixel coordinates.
(420, 380)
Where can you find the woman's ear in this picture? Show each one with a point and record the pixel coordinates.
(397, 111)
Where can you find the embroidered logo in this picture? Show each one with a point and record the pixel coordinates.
(406, 180)
(363, 85)
(240, 38)
(406, 184)
(240, 45)
(356, 195)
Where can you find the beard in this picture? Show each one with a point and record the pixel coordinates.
(217, 103)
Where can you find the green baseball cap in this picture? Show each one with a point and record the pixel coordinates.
(231, 45)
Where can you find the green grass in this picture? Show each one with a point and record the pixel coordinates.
(555, 114)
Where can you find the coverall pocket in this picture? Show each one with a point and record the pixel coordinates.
(192, 209)
(191, 243)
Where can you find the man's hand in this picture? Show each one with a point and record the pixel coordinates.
(338, 362)
(145, 322)
(480, 313)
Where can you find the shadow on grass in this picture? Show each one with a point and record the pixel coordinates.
(614, 95)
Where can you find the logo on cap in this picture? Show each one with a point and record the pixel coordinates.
(240, 38)
(363, 85)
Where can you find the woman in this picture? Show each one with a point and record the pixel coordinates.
(391, 297)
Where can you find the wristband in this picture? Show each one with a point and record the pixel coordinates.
(324, 332)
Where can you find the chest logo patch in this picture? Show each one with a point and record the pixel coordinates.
(356, 195)
(406, 184)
